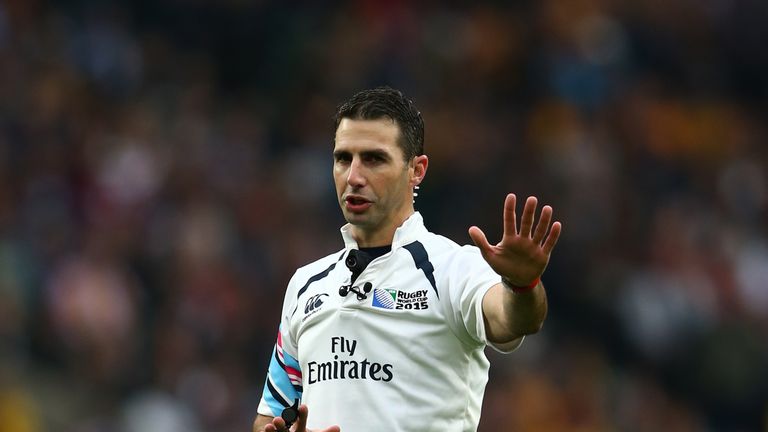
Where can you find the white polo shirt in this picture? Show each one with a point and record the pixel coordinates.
(407, 357)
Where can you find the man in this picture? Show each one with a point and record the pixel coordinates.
(389, 333)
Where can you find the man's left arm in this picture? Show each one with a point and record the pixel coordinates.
(517, 306)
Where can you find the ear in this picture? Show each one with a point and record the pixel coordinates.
(418, 169)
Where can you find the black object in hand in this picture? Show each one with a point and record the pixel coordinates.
(290, 414)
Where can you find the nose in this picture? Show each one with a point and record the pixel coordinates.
(356, 177)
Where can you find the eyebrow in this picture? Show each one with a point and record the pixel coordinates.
(375, 153)
(339, 153)
(365, 153)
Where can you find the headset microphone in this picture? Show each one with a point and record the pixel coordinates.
(356, 262)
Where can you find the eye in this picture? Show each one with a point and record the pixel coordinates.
(374, 158)
(342, 157)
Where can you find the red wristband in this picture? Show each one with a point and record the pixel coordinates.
(520, 289)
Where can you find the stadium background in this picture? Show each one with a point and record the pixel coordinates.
(165, 165)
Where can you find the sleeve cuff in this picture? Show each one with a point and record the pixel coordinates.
(508, 347)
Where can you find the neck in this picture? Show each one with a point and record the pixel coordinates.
(381, 236)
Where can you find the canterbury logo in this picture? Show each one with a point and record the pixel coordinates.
(314, 303)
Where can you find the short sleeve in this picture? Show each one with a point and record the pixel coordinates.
(468, 279)
(282, 385)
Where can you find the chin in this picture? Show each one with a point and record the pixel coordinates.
(360, 220)
(355, 219)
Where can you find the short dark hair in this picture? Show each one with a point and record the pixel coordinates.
(386, 102)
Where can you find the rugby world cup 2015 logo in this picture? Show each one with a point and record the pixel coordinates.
(384, 298)
(396, 299)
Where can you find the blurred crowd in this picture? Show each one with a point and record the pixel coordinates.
(166, 165)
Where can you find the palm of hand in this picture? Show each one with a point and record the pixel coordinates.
(521, 256)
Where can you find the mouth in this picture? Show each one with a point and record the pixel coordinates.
(356, 203)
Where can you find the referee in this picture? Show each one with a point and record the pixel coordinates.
(389, 333)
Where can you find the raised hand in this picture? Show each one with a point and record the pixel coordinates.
(521, 256)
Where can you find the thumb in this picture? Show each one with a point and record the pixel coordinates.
(478, 237)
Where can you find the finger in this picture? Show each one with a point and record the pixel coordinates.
(543, 225)
(279, 424)
(526, 221)
(510, 218)
(478, 237)
(554, 234)
(301, 423)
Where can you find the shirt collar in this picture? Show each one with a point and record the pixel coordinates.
(404, 234)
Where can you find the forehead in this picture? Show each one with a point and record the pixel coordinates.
(355, 135)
